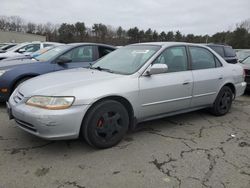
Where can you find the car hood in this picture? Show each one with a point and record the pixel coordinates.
(3, 51)
(8, 64)
(21, 56)
(73, 82)
(8, 54)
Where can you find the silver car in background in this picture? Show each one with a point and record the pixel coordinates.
(133, 84)
(242, 54)
(25, 48)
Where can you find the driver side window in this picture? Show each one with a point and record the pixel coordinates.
(80, 54)
(175, 58)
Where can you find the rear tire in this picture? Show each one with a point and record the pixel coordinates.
(105, 124)
(222, 102)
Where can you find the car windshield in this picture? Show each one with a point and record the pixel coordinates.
(126, 60)
(41, 51)
(18, 46)
(46, 56)
(247, 60)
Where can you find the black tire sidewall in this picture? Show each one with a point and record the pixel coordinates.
(216, 108)
(89, 125)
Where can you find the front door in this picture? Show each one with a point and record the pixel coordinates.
(167, 92)
(80, 56)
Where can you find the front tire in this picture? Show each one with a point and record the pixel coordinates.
(105, 124)
(223, 102)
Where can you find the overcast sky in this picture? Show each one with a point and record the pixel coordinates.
(188, 16)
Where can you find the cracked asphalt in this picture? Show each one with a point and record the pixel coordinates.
(185, 151)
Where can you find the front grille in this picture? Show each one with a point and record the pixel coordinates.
(18, 97)
(25, 125)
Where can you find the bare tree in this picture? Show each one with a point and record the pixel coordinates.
(245, 24)
(31, 28)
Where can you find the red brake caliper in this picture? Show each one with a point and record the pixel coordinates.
(100, 123)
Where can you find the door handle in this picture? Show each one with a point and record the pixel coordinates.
(186, 83)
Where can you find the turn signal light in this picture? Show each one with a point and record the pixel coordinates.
(4, 90)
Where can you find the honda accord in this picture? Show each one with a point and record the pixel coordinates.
(133, 84)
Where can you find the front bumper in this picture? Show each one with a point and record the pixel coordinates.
(48, 124)
(240, 88)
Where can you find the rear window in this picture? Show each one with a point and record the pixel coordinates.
(201, 58)
(229, 51)
(218, 49)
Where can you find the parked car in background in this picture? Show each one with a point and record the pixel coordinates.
(32, 55)
(13, 73)
(133, 84)
(7, 46)
(3, 44)
(24, 48)
(225, 51)
(242, 54)
(246, 66)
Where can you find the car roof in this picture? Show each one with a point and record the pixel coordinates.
(51, 42)
(221, 45)
(89, 43)
(166, 44)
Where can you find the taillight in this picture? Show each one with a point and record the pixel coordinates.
(244, 72)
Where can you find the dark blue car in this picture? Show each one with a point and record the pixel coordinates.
(13, 73)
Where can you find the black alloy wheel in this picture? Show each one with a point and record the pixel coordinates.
(106, 124)
(223, 102)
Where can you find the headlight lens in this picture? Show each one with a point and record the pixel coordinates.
(51, 103)
(2, 72)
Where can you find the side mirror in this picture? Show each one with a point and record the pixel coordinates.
(21, 50)
(63, 60)
(157, 69)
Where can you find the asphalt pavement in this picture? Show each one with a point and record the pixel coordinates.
(185, 151)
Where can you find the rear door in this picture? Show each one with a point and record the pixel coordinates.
(167, 92)
(208, 76)
(81, 56)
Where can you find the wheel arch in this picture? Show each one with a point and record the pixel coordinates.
(232, 87)
(125, 102)
(20, 78)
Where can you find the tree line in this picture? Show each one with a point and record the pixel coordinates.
(79, 32)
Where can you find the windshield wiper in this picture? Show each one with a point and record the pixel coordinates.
(101, 69)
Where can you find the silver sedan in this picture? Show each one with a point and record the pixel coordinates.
(133, 84)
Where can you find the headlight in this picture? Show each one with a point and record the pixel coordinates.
(2, 72)
(51, 103)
